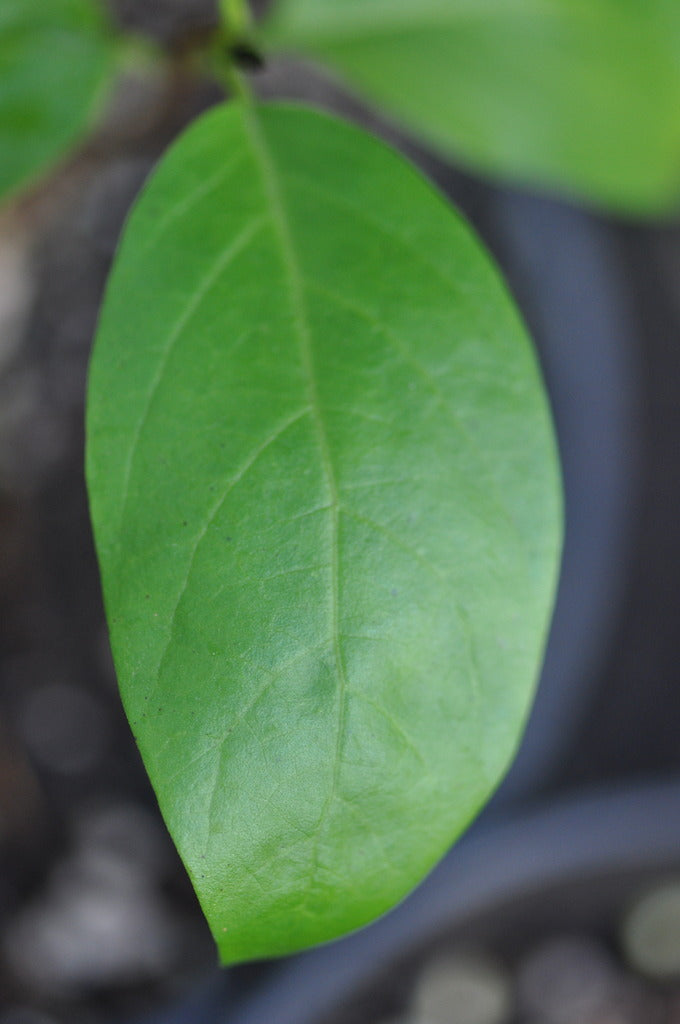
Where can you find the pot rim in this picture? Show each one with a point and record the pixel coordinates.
(576, 836)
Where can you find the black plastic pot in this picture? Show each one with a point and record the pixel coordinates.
(611, 842)
(565, 269)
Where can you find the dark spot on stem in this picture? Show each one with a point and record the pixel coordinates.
(247, 57)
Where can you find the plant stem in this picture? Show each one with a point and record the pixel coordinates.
(236, 19)
(237, 84)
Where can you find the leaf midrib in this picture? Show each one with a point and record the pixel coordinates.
(291, 265)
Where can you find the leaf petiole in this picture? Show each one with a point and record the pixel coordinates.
(237, 21)
(235, 51)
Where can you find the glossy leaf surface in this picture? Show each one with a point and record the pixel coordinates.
(55, 58)
(581, 96)
(326, 506)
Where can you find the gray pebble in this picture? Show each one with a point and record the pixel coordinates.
(64, 727)
(651, 933)
(566, 981)
(462, 989)
(101, 920)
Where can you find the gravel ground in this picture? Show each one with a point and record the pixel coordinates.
(624, 968)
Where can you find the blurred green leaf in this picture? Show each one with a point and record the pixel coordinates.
(326, 504)
(55, 59)
(580, 96)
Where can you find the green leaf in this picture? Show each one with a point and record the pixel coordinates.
(326, 506)
(56, 56)
(581, 96)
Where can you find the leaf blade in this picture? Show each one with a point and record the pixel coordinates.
(263, 483)
(55, 61)
(576, 97)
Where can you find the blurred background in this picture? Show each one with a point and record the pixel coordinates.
(562, 906)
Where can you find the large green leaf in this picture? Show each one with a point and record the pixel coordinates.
(326, 506)
(55, 58)
(576, 95)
